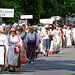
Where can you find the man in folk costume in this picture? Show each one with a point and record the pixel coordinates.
(3, 47)
(32, 42)
(15, 43)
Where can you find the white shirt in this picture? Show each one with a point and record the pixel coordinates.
(68, 33)
(15, 39)
(31, 36)
(22, 34)
(64, 30)
(46, 34)
(57, 33)
(73, 31)
(4, 41)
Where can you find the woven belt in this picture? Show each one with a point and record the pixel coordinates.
(2, 45)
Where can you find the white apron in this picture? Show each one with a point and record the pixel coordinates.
(3, 42)
(12, 57)
(57, 44)
(2, 55)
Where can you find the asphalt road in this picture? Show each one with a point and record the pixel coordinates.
(57, 64)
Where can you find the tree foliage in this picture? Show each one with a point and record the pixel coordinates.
(38, 8)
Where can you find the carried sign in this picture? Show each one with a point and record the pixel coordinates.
(71, 19)
(57, 17)
(46, 21)
(22, 21)
(26, 16)
(7, 13)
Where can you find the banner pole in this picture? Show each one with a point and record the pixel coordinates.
(1, 20)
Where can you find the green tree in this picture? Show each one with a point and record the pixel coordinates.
(35, 8)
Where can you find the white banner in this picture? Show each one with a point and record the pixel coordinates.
(7, 13)
(46, 21)
(26, 16)
(71, 19)
(57, 17)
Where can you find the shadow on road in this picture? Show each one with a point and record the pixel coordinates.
(44, 65)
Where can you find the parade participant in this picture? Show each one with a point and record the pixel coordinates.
(22, 34)
(15, 43)
(32, 43)
(15, 25)
(52, 41)
(4, 26)
(3, 48)
(64, 37)
(24, 28)
(62, 40)
(7, 33)
(73, 35)
(68, 37)
(46, 41)
(58, 38)
(37, 50)
(27, 28)
(40, 39)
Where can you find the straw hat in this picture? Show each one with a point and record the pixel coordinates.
(13, 30)
(64, 26)
(50, 26)
(46, 26)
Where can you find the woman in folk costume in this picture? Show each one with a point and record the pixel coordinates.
(57, 39)
(7, 33)
(73, 35)
(38, 48)
(41, 34)
(46, 41)
(40, 39)
(22, 34)
(32, 42)
(52, 40)
(15, 43)
(64, 37)
(3, 48)
(62, 40)
(68, 37)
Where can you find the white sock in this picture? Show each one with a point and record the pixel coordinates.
(44, 52)
(11, 68)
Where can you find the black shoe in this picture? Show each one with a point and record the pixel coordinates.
(13, 70)
(47, 55)
(5, 69)
(29, 62)
(44, 55)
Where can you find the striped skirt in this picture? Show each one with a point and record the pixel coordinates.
(31, 50)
